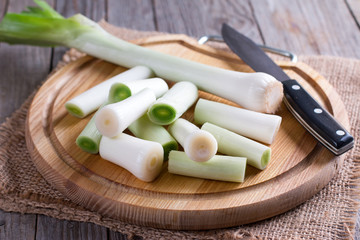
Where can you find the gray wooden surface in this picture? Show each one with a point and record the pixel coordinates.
(305, 27)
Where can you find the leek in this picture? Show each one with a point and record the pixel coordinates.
(114, 118)
(259, 126)
(145, 129)
(90, 100)
(144, 159)
(89, 138)
(223, 168)
(42, 26)
(199, 145)
(120, 91)
(232, 144)
(173, 103)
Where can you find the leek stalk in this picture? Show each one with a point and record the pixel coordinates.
(43, 26)
(114, 118)
(219, 167)
(258, 126)
(199, 145)
(120, 91)
(232, 144)
(173, 103)
(144, 159)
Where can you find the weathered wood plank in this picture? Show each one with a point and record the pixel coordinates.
(25, 67)
(136, 14)
(95, 10)
(17, 226)
(308, 27)
(197, 18)
(51, 228)
(3, 5)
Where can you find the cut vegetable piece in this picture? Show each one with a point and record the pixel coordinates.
(90, 100)
(219, 167)
(114, 118)
(145, 129)
(232, 144)
(173, 103)
(259, 126)
(89, 138)
(144, 159)
(199, 145)
(256, 91)
(120, 91)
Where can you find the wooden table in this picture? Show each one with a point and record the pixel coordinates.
(305, 27)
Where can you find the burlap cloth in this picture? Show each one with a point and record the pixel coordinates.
(330, 214)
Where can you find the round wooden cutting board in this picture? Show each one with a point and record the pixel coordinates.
(299, 166)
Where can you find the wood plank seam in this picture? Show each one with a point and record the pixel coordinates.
(257, 24)
(153, 8)
(352, 13)
(6, 5)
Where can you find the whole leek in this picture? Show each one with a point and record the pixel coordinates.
(43, 26)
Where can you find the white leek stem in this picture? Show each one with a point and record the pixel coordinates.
(120, 91)
(90, 100)
(255, 91)
(259, 126)
(232, 144)
(198, 144)
(142, 158)
(116, 117)
(223, 168)
(173, 103)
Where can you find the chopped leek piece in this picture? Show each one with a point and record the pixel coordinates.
(89, 138)
(232, 144)
(144, 159)
(173, 103)
(198, 144)
(120, 91)
(219, 167)
(259, 126)
(114, 118)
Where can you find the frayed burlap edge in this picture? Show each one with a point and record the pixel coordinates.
(64, 209)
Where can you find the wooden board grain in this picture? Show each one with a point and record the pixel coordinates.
(299, 168)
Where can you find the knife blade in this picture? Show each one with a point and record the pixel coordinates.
(311, 115)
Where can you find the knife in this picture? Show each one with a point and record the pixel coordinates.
(311, 115)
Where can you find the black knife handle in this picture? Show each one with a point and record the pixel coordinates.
(316, 119)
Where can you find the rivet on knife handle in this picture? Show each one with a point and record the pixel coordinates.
(316, 119)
